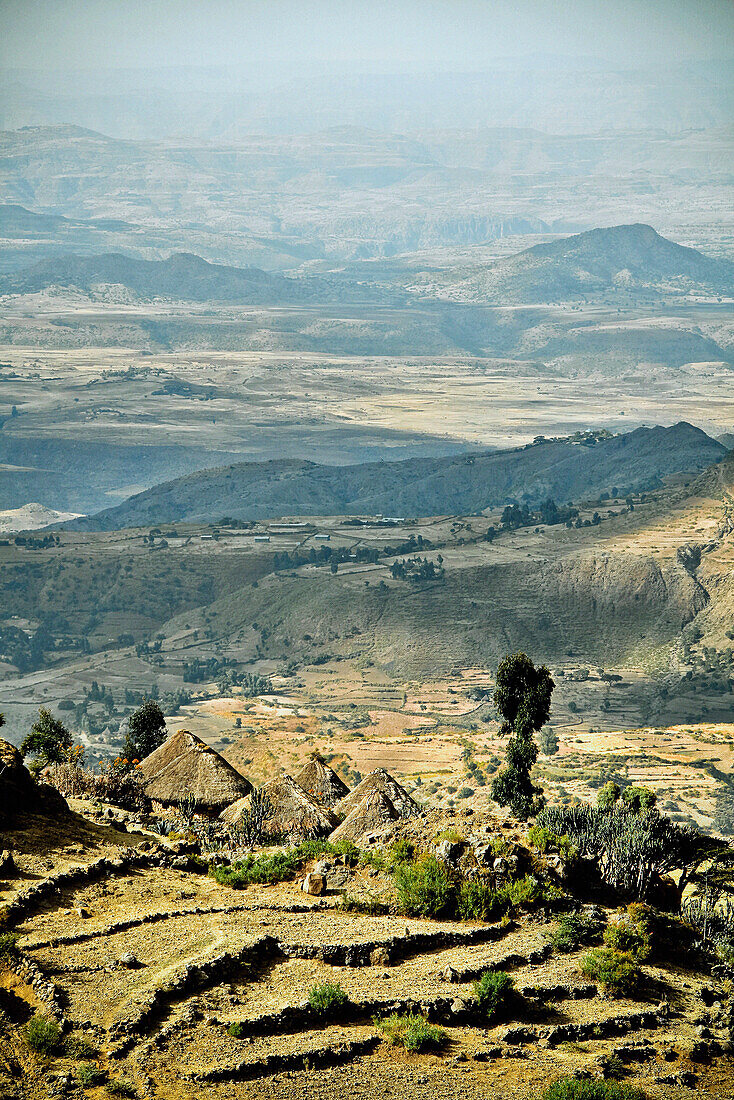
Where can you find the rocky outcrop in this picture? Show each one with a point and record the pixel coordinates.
(19, 793)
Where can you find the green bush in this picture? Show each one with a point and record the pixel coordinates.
(424, 888)
(546, 841)
(575, 930)
(492, 991)
(79, 1047)
(327, 998)
(89, 1074)
(632, 933)
(478, 901)
(412, 1032)
(525, 891)
(639, 798)
(43, 1035)
(569, 1088)
(608, 796)
(402, 851)
(237, 1030)
(120, 1086)
(281, 865)
(8, 946)
(616, 971)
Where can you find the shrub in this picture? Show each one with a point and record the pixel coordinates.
(412, 1031)
(327, 998)
(450, 833)
(89, 1074)
(370, 905)
(608, 796)
(279, 866)
(492, 992)
(478, 901)
(546, 841)
(120, 1086)
(237, 1031)
(612, 1066)
(524, 891)
(79, 1047)
(575, 930)
(617, 971)
(8, 946)
(424, 888)
(402, 851)
(631, 933)
(639, 798)
(569, 1088)
(43, 1035)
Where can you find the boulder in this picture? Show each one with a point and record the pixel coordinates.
(314, 883)
(448, 850)
(129, 961)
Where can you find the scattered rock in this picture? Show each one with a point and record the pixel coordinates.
(519, 1035)
(314, 884)
(448, 850)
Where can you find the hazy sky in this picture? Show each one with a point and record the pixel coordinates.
(260, 36)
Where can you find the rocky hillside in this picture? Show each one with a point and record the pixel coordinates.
(562, 470)
(599, 262)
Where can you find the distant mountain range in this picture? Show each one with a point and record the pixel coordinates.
(563, 470)
(182, 276)
(621, 260)
(599, 262)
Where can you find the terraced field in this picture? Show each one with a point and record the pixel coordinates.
(152, 962)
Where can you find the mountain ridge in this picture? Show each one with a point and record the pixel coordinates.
(183, 275)
(558, 469)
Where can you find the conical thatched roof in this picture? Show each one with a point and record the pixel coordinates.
(185, 765)
(293, 812)
(371, 815)
(383, 782)
(232, 813)
(321, 782)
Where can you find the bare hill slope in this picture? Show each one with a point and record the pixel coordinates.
(620, 258)
(562, 470)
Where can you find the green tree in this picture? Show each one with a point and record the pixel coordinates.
(146, 731)
(49, 740)
(522, 696)
(548, 741)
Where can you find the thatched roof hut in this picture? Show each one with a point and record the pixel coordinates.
(373, 814)
(184, 765)
(294, 813)
(232, 813)
(383, 782)
(321, 782)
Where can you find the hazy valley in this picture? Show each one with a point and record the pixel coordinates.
(317, 401)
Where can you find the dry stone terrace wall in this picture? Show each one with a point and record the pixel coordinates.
(34, 897)
(156, 990)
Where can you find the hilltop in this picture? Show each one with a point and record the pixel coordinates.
(30, 517)
(617, 259)
(562, 470)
